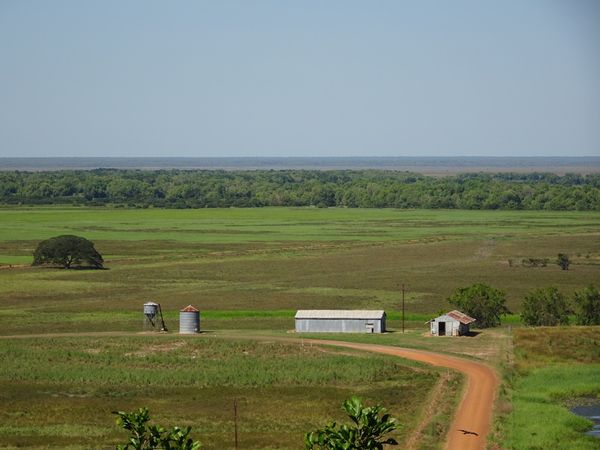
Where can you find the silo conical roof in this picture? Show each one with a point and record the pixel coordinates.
(190, 308)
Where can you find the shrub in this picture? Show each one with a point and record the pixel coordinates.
(545, 307)
(587, 306)
(563, 261)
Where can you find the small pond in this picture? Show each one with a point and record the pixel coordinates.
(591, 412)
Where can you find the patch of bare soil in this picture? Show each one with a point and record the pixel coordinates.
(159, 348)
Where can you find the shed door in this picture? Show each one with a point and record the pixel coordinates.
(441, 328)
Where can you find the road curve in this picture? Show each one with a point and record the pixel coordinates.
(473, 417)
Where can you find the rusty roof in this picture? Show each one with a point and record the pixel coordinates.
(189, 308)
(461, 317)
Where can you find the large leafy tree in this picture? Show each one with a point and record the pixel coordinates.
(67, 251)
(367, 431)
(482, 302)
(545, 307)
(587, 306)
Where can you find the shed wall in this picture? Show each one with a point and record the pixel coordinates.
(453, 326)
(340, 325)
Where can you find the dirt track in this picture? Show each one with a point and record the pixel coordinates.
(473, 417)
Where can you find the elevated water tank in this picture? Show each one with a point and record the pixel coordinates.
(189, 320)
(150, 309)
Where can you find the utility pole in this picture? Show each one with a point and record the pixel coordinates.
(402, 308)
(235, 419)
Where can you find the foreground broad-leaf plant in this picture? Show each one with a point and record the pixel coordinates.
(150, 437)
(366, 433)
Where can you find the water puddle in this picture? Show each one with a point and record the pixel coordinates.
(591, 412)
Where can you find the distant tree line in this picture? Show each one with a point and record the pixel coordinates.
(341, 188)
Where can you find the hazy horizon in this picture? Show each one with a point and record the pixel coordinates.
(443, 165)
(271, 79)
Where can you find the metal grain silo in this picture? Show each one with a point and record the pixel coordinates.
(189, 320)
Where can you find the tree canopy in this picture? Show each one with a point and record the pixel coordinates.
(67, 251)
(323, 188)
(587, 306)
(545, 307)
(482, 302)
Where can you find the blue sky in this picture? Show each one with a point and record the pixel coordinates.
(300, 78)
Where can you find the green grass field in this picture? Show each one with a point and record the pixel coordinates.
(60, 392)
(275, 261)
(231, 225)
(248, 270)
(556, 368)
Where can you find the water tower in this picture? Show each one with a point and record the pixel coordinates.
(152, 315)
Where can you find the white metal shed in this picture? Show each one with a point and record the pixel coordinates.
(340, 321)
(454, 323)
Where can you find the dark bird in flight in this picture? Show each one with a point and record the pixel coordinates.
(468, 432)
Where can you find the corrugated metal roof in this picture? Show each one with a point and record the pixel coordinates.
(339, 314)
(456, 315)
(461, 317)
(189, 308)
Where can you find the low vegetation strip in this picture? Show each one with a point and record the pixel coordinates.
(538, 347)
(102, 361)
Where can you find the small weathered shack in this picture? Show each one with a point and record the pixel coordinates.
(454, 323)
(340, 321)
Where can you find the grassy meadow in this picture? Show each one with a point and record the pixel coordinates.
(248, 270)
(556, 368)
(269, 262)
(59, 392)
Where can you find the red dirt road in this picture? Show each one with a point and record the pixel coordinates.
(473, 417)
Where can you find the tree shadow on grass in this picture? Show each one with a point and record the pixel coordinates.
(472, 334)
(90, 268)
